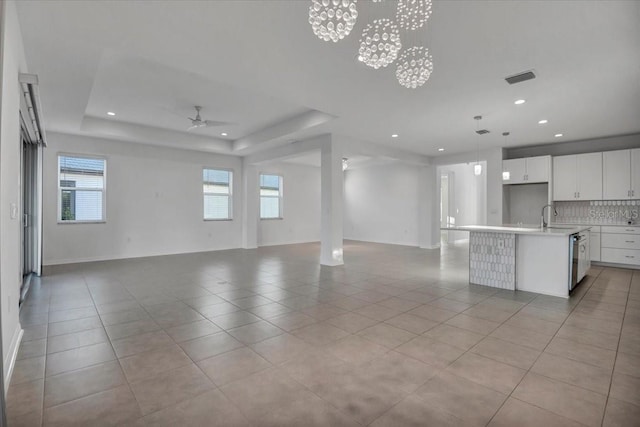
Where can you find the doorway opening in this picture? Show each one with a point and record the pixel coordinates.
(463, 198)
(31, 209)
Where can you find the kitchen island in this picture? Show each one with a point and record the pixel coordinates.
(532, 259)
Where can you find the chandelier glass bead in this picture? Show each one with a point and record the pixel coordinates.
(332, 19)
(414, 67)
(380, 43)
(412, 14)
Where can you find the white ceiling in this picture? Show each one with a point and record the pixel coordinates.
(258, 63)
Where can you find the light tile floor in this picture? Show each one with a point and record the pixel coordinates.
(266, 337)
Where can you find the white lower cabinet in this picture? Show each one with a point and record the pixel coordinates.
(620, 244)
(595, 246)
(621, 256)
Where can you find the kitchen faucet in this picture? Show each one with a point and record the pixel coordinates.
(543, 223)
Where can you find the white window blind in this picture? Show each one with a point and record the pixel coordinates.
(81, 183)
(216, 187)
(270, 196)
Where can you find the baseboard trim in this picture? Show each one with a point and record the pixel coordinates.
(384, 242)
(296, 242)
(49, 263)
(12, 355)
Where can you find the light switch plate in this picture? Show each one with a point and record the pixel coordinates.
(14, 211)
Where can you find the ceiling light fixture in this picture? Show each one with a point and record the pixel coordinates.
(440, 149)
(395, 135)
(477, 169)
(558, 135)
(414, 67)
(224, 134)
(380, 43)
(110, 113)
(345, 164)
(332, 19)
(543, 122)
(520, 102)
(413, 14)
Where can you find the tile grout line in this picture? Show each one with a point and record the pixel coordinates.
(615, 360)
(541, 353)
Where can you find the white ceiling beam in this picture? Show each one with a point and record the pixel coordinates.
(284, 152)
(124, 131)
(354, 147)
(287, 127)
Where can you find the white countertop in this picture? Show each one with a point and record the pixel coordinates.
(553, 230)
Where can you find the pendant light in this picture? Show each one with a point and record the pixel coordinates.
(506, 175)
(477, 169)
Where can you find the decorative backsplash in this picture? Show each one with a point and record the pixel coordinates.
(605, 212)
(492, 259)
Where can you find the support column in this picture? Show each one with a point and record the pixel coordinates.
(332, 189)
(429, 208)
(250, 205)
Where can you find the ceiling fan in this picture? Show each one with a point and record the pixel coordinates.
(197, 122)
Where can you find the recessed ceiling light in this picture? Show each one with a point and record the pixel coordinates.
(558, 135)
(395, 135)
(440, 149)
(543, 122)
(520, 102)
(224, 134)
(110, 113)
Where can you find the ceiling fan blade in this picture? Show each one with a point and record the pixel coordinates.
(213, 123)
(190, 128)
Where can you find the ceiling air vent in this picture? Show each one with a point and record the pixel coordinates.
(520, 77)
(482, 131)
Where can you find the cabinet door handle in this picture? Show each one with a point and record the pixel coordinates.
(629, 229)
(629, 241)
(629, 256)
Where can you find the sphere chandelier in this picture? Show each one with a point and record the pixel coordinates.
(380, 43)
(414, 67)
(412, 14)
(332, 19)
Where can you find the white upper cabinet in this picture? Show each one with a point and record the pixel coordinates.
(526, 171)
(621, 174)
(514, 171)
(635, 173)
(616, 175)
(538, 169)
(577, 177)
(565, 186)
(589, 179)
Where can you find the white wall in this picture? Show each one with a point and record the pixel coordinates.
(154, 203)
(381, 204)
(12, 63)
(301, 206)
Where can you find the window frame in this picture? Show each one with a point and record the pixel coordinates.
(280, 196)
(230, 195)
(103, 190)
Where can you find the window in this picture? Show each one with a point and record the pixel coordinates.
(216, 187)
(81, 183)
(270, 196)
